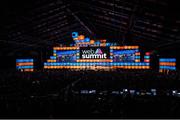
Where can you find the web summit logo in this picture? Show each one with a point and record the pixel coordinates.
(93, 54)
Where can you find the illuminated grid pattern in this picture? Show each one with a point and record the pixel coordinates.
(125, 65)
(147, 57)
(137, 57)
(167, 64)
(25, 65)
(82, 41)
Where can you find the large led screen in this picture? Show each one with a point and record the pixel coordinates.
(124, 55)
(94, 53)
(66, 56)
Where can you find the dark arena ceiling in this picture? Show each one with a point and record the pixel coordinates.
(40, 24)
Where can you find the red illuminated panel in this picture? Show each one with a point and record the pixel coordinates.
(146, 60)
(147, 53)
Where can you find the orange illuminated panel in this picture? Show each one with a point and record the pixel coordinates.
(137, 53)
(132, 67)
(111, 47)
(128, 67)
(65, 48)
(64, 67)
(120, 47)
(92, 41)
(92, 67)
(45, 67)
(136, 47)
(137, 60)
(103, 44)
(51, 60)
(136, 67)
(148, 67)
(28, 70)
(117, 47)
(75, 38)
(84, 43)
(56, 48)
(143, 67)
(114, 67)
(132, 47)
(75, 47)
(24, 64)
(160, 70)
(167, 63)
(129, 47)
(125, 47)
(81, 37)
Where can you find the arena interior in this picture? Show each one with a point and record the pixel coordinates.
(89, 59)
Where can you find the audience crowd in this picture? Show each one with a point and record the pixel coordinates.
(56, 94)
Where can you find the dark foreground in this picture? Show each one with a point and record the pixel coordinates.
(90, 94)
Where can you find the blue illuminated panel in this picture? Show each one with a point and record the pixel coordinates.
(24, 64)
(24, 60)
(167, 64)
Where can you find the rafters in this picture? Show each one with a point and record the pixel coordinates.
(48, 22)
